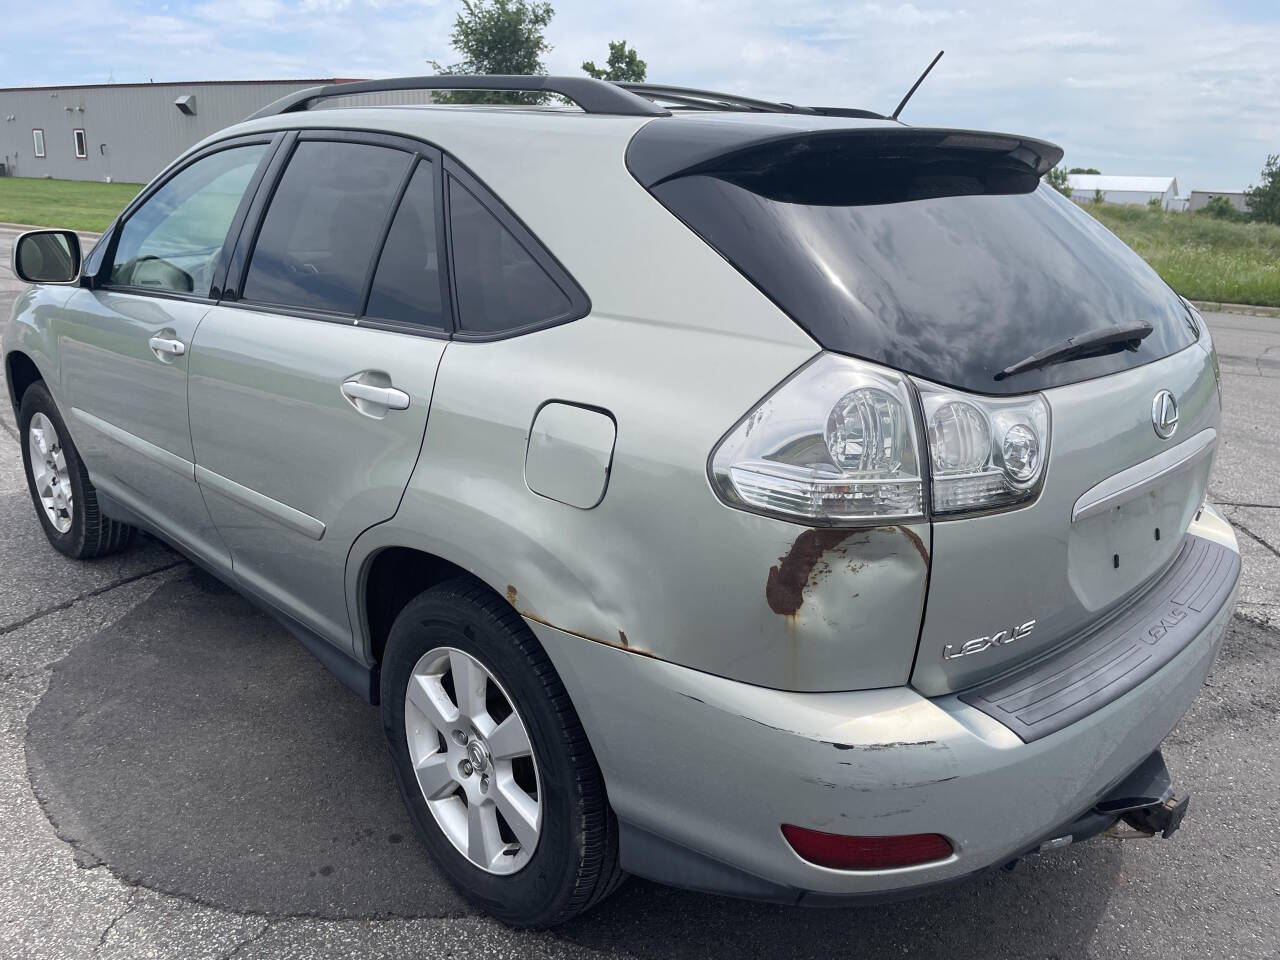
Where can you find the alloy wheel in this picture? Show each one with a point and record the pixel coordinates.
(49, 472)
(473, 760)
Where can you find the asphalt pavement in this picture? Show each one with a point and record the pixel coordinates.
(178, 778)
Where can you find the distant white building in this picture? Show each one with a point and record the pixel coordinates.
(1200, 199)
(1137, 191)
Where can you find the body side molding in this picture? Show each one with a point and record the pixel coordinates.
(160, 455)
(282, 513)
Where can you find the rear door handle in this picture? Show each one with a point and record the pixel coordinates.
(388, 397)
(167, 345)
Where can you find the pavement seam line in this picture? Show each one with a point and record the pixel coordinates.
(248, 941)
(130, 903)
(1253, 536)
(88, 595)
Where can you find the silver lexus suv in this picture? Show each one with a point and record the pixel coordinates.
(777, 501)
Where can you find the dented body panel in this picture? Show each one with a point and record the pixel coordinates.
(772, 603)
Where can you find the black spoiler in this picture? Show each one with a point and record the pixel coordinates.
(681, 146)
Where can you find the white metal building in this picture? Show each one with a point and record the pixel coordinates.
(1200, 199)
(1137, 191)
(128, 132)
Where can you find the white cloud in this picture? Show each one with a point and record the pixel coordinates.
(906, 14)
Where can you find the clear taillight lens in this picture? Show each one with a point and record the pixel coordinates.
(836, 443)
(985, 452)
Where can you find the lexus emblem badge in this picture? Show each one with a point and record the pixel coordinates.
(1164, 414)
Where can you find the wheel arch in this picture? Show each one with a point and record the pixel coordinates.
(31, 347)
(20, 372)
(390, 576)
(427, 542)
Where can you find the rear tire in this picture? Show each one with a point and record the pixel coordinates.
(65, 499)
(570, 860)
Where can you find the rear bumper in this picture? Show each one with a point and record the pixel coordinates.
(702, 771)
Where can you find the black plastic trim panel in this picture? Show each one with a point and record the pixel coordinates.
(1107, 664)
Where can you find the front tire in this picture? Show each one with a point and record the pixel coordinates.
(65, 499)
(492, 760)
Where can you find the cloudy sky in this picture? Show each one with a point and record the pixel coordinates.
(1183, 87)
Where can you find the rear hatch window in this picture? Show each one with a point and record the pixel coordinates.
(940, 253)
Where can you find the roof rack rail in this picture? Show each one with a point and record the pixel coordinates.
(711, 100)
(593, 96)
(850, 112)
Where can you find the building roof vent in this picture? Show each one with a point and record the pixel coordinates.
(186, 104)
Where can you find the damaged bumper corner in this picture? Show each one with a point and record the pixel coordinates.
(702, 771)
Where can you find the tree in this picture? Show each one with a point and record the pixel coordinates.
(622, 65)
(1093, 170)
(1099, 196)
(1057, 178)
(1219, 208)
(500, 37)
(1264, 199)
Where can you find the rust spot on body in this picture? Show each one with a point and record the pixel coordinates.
(624, 644)
(512, 595)
(915, 542)
(784, 588)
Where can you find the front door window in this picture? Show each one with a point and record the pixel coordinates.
(171, 243)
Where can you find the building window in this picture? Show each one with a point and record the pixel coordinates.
(82, 145)
(37, 138)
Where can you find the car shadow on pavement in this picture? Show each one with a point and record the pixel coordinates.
(1046, 908)
(195, 748)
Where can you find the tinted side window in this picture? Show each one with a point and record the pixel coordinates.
(406, 286)
(500, 286)
(321, 229)
(172, 241)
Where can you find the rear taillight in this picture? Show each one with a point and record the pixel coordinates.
(837, 444)
(840, 852)
(986, 453)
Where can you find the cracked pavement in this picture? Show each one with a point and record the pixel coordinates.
(194, 821)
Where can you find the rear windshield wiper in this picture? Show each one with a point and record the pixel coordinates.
(1095, 341)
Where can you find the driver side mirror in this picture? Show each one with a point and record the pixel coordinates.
(47, 256)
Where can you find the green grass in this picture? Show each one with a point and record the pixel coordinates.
(75, 204)
(1200, 257)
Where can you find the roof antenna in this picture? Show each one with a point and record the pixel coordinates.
(915, 85)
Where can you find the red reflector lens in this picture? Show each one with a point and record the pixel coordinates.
(839, 852)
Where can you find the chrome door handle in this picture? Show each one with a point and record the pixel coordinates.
(174, 348)
(388, 397)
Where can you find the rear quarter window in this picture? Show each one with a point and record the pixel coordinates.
(504, 281)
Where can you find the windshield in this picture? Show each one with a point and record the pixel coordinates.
(952, 271)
